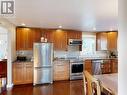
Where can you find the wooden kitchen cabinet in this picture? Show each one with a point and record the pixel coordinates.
(22, 73)
(61, 70)
(29, 72)
(112, 40)
(106, 67)
(101, 41)
(88, 66)
(25, 37)
(60, 40)
(114, 65)
(48, 34)
(106, 40)
(74, 35)
(21, 37)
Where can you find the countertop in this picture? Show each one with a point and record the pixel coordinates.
(83, 59)
(22, 61)
(97, 58)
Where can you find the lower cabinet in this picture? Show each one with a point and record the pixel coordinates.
(22, 73)
(88, 66)
(114, 66)
(108, 66)
(61, 70)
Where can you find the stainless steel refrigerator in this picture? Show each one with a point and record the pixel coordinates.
(43, 68)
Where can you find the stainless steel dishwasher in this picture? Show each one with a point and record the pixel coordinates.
(96, 66)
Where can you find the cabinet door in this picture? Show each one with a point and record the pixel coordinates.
(74, 35)
(21, 38)
(106, 67)
(30, 39)
(37, 34)
(112, 40)
(114, 66)
(34, 35)
(60, 40)
(102, 41)
(88, 66)
(18, 73)
(49, 35)
(28, 72)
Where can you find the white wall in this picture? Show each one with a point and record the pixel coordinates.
(11, 47)
(122, 48)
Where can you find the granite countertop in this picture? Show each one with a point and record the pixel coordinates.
(97, 58)
(92, 58)
(22, 61)
(61, 59)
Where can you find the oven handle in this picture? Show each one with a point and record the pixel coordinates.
(76, 63)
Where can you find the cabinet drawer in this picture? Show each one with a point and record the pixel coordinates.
(29, 65)
(61, 71)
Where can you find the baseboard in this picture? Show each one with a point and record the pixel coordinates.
(9, 85)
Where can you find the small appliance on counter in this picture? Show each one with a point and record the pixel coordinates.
(21, 58)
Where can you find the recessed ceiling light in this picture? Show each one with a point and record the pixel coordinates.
(23, 24)
(94, 28)
(60, 26)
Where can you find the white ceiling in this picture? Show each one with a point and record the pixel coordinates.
(71, 14)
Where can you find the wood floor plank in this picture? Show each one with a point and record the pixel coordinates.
(57, 88)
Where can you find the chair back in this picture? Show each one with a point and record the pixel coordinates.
(91, 84)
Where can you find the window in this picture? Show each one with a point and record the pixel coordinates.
(89, 44)
(3, 43)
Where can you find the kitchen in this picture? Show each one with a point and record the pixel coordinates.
(95, 52)
(68, 55)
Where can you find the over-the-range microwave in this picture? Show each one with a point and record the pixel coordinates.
(74, 42)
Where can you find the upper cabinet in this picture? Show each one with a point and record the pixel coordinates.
(112, 40)
(25, 37)
(74, 35)
(106, 40)
(60, 40)
(46, 33)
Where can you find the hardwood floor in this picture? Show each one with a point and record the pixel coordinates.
(57, 88)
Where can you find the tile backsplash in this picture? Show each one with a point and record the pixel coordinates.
(27, 53)
(68, 54)
(79, 54)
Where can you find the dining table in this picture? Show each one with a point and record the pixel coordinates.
(109, 81)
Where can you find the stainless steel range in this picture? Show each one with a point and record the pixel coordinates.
(76, 69)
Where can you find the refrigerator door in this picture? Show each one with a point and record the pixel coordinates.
(42, 75)
(43, 53)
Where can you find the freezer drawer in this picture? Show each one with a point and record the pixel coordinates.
(42, 75)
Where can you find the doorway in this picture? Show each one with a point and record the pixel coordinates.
(3, 58)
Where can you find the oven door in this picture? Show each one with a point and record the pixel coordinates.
(76, 68)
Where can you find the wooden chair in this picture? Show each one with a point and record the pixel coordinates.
(91, 84)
